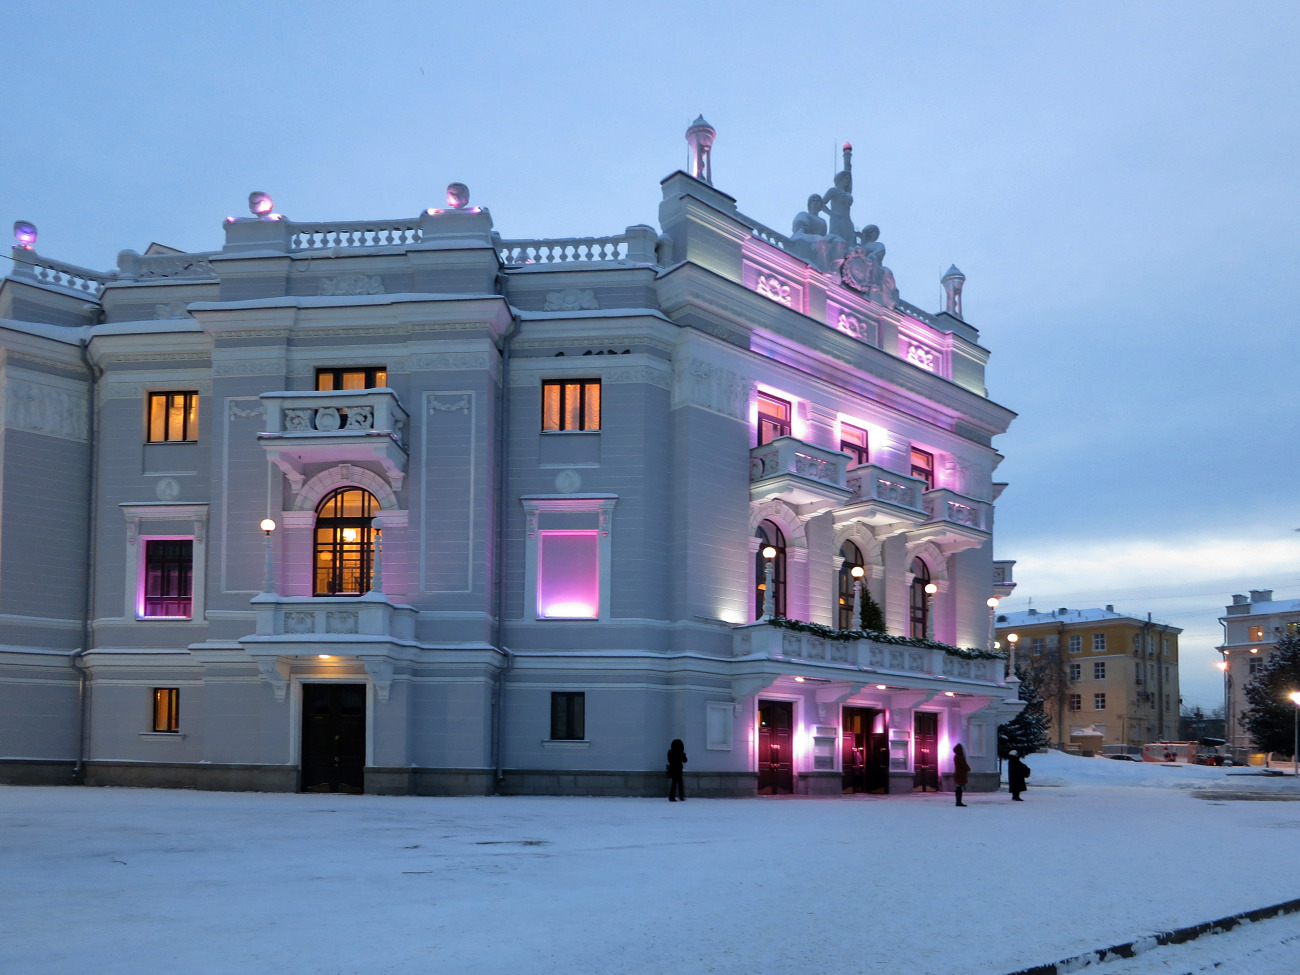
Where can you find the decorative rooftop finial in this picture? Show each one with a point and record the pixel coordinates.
(260, 204)
(457, 195)
(952, 281)
(700, 138)
(24, 234)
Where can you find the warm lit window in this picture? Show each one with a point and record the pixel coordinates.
(769, 535)
(1076, 644)
(361, 377)
(923, 467)
(1099, 702)
(773, 418)
(568, 716)
(173, 417)
(852, 556)
(1098, 642)
(168, 576)
(571, 405)
(1099, 670)
(1076, 702)
(854, 443)
(1256, 634)
(1076, 672)
(166, 709)
(1293, 629)
(343, 543)
(568, 575)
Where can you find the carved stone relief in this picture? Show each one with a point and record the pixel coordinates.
(341, 621)
(352, 284)
(171, 309)
(49, 410)
(299, 622)
(570, 299)
(168, 489)
(712, 387)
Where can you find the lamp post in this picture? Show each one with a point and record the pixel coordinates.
(857, 572)
(268, 577)
(1295, 743)
(769, 601)
(1227, 705)
(930, 589)
(992, 604)
(1012, 640)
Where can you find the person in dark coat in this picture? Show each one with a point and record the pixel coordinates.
(960, 771)
(1017, 772)
(676, 759)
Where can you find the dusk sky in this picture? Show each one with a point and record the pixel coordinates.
(1117, 181)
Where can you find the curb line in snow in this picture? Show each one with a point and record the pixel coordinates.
(1178, 936)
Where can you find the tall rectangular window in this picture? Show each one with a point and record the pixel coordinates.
(1099, 670)
(1099, 702)
(571, 404)
(568, 716)
(173, 417)
(1098, 642)
(923, 467)
(568, 575)
(166, 709)
(168, 573)
(1076, 672)
(1076, 644)
(773, 418)
(1076, 702)
(854, 443)
(1256, 634)
(1036, 645)
(359, 377)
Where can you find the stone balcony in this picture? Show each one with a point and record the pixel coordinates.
(368, 627)
(954, 521)
(838, 659)
(799, 473)
(338, 426)
(888, 502)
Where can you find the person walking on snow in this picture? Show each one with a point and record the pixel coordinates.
(676, 759)
(960, 771)
(1017, 772)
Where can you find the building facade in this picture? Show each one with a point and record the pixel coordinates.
(401, 506)
(1252, 626)
(1109, 679)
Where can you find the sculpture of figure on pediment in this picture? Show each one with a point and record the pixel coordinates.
(869, 242)
(808, 238)
(839, 201)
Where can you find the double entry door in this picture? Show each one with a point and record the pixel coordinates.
(333, 738)
(864, 750)
(775, 748)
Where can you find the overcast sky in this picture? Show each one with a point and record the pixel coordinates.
(1118, 182)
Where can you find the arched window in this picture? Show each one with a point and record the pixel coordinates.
(769, 534)
(852, 556)
(343, 543)
(920, 617)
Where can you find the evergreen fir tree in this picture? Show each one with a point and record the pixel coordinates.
(1027, 732)
(1270, 717)
(873, 620)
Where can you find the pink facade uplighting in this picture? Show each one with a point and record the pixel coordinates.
(568, 574)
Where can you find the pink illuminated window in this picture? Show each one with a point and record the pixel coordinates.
(923, 467)
(168, 572)
(773, 418)
(568, 575)
(854, 443)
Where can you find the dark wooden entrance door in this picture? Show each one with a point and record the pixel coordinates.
(333, 738)
(864, 751)
(925, 756)
(775, 748)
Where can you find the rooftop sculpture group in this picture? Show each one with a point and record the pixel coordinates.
(858, 256)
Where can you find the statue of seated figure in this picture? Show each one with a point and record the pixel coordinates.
(808, 236)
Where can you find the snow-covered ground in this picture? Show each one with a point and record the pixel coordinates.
(112, 881)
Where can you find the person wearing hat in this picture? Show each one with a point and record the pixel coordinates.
(1017, 772)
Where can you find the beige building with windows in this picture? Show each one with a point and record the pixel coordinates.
(1252, 625)
(1109, 679)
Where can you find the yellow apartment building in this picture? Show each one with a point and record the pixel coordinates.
(1109, 679)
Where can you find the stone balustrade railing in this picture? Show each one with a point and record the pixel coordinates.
(786, 455)
(943, 504)
(154, 267)
(69, 277)
(766, 234)
(872, 483)
(354, 234)
(920, 314)
(363, 412)
(636, 245)
(777, 643)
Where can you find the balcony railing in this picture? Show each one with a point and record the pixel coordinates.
(872, 483)
(351, 234)
(778, 643)
(30, 266)
(797, 472)
(636, 245)
(334, 426)
(944, 505)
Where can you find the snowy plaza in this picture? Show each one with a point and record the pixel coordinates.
(113, 880)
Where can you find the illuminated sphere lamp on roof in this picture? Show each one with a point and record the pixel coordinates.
(457, 195)
(24, 234)
(260, 204)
